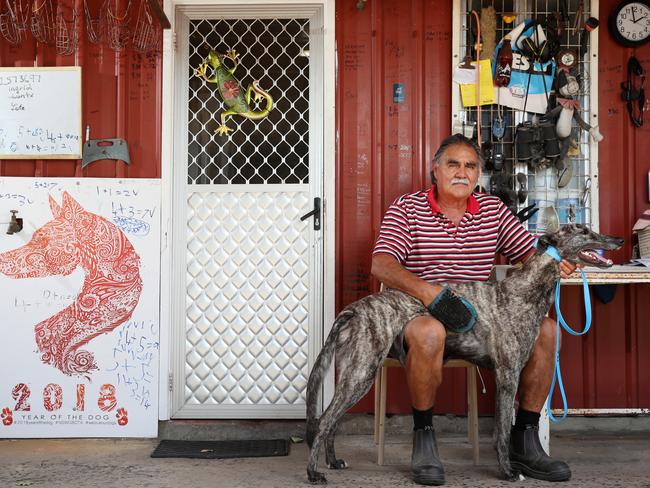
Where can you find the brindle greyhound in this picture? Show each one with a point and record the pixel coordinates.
(509, 316)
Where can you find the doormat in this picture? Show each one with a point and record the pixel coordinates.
(221, 449)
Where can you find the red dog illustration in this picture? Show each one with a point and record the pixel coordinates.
(110, 292)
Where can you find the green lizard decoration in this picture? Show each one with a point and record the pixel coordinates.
(238, 103)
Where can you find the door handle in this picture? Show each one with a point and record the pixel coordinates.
(315, 212)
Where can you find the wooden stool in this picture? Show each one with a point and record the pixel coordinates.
(380, 405)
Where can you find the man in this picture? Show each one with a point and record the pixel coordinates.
(449, 233)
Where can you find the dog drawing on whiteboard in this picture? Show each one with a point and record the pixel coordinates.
(509, 314)
(111, 288)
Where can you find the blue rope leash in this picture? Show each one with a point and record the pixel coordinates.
(557, 373)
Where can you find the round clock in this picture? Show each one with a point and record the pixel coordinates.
(566, 58)
(629, 23)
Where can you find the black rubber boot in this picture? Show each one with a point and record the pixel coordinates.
(528, 456)
(425, 463)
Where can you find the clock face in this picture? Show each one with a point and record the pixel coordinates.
(566, 58)
(633, 22)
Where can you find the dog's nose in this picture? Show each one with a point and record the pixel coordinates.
(620, 241)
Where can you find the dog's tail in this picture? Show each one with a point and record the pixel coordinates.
(318, 372)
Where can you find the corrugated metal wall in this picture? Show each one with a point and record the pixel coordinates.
(121, 98)
(385, 150)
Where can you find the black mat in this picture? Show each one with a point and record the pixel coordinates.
(221, 449)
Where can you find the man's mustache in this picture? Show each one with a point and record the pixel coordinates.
(460, 181)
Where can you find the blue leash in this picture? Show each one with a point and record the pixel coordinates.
(557, 373)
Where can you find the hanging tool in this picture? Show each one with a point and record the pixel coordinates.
(633, 91)
(96, 149)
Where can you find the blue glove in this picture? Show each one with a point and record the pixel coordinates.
(454, 312)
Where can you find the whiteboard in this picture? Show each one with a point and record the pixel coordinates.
(40, 113)
(80, 301)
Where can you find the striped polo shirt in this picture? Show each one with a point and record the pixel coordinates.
(428, 244)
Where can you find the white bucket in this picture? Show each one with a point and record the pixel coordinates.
(535, 225)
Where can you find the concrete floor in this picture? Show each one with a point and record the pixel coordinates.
(597, 460)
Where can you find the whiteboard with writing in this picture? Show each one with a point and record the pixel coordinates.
(79, 298)
(40, 113)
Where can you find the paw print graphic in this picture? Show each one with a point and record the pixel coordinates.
(7, 416)
(122, 416)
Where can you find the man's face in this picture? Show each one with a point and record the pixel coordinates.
(458, 172)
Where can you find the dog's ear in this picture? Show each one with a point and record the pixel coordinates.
(55, 207)
(71, 204)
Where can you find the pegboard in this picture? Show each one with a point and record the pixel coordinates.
(565, 186)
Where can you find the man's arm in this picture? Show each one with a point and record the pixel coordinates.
(393, 275)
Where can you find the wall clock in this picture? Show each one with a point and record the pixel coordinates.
(566, 58)
(629, 23)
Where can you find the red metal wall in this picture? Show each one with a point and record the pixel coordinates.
(385, 150)
(121, 98)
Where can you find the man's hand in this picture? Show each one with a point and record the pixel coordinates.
(567, 268)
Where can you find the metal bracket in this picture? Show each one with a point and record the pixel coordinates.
(96, 149)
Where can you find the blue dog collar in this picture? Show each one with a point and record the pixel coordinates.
(551, 251)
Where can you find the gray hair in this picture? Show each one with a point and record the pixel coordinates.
(453, 140)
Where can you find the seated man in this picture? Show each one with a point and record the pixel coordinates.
(449, 233)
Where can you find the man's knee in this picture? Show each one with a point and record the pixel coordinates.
(425, 334)
(547, 334)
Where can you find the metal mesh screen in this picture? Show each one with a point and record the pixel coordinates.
(572, 201)
(274, 149)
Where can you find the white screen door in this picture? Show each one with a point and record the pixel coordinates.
(251, 307)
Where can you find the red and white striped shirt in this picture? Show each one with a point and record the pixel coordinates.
(428, 244)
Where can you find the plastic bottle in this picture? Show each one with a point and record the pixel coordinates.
(504, 64)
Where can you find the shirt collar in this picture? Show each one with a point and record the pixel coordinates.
(472, 203)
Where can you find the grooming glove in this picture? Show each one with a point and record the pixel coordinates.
(454, 312)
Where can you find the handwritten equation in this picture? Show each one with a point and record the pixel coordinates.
(134, 359)
(48, 298)
(17, 199)
(37, 140)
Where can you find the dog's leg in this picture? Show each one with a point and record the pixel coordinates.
(506, 387)
(330, 454)
(349, 390)
(312, 475)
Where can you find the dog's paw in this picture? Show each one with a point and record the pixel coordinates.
(337, 464)
(512, 476)
(316, 478)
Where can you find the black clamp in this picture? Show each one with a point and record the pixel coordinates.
(527, 212)
(633, 91)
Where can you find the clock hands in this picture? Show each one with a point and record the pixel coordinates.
(640, 18)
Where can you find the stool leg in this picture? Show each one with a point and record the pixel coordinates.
(377, 393)
(472, 413)
(382, 415)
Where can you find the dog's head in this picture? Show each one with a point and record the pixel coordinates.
(576, 243)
